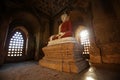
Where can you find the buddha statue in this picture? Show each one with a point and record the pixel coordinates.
(65, 28)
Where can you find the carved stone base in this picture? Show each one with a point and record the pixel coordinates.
(65, 57)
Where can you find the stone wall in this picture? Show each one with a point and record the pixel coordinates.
(3, 32)
(106, 27)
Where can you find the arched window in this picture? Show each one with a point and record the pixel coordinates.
(16, 44)
(84, 36)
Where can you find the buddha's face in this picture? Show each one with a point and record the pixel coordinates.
(64, 17)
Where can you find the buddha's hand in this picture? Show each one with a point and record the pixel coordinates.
(61, 34)
(51, 37)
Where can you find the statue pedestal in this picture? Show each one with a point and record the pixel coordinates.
(65, 57)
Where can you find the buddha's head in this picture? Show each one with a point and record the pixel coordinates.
(64, 17)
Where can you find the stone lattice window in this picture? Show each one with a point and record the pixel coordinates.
(84, 36)
(16, 44)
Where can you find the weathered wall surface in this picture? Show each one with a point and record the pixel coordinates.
(106, 27)
(3, 32)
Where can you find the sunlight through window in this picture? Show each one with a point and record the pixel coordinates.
(16, 45)
(84, 36)
(90, 78)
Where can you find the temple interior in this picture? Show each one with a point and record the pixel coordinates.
(59, 39)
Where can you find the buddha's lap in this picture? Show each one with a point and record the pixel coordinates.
(63, 36)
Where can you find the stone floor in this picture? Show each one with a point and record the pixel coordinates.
(30, 70)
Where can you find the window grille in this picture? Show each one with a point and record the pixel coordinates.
(16, 45)
(84, 36)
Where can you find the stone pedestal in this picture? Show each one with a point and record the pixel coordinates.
(65, 57)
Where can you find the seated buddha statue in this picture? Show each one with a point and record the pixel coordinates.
(65, 28)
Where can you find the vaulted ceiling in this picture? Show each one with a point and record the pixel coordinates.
(52, 7)
(47, 7)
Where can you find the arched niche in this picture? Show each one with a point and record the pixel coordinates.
(25, 33)
(32, 28)
(17, 45)
(82, 37)
(94, 55)
(78, 30)
(38, 29)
